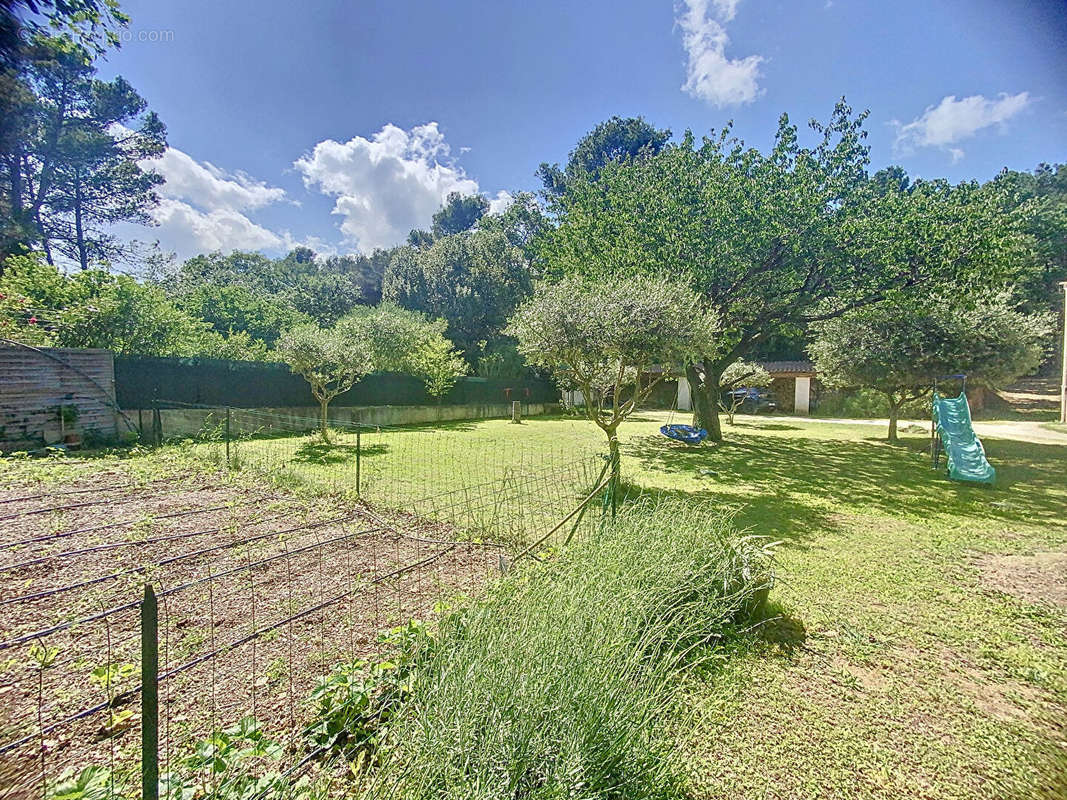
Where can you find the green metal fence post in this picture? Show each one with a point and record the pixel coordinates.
(149, 695)
(157, 424)
(359, 451)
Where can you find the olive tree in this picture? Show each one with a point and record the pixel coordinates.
(738, 375)
(899, 349)
(406, 341)
(603, 336)
(774, 241)
(331, 360)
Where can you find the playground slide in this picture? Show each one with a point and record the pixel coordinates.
(964, 451)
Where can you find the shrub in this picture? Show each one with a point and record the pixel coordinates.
(555, 684)
(866, 404)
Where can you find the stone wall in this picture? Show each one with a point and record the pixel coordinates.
(183, 422)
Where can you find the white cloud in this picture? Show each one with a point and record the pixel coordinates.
(951, 121)
(210, 187)
(385, 185)
(710, 74)
(727, 9)
(500, 203)
(202, 208)
(187, 230)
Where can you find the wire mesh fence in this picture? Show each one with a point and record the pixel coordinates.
(485, 481)
(265, 598)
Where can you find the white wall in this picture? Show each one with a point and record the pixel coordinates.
(802, 396)
(685, 398)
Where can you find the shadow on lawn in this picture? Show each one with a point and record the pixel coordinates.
(802, 484)
(318, 452)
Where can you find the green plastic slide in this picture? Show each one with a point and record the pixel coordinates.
(964, 452)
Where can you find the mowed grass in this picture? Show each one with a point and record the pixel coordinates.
(892, 669)
(900, 661)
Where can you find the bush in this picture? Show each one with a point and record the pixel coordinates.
(867, 404)
(554, 686)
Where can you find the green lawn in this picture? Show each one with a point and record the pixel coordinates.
(914, 651)
(892, 668)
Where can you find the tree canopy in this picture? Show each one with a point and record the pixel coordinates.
(603, 337)
(460, 213)
(613, 140)
(71, 152)
(473, 281)
(775, 241)
(331, 360)
(899, 349)
(406, 341)
(95, 308)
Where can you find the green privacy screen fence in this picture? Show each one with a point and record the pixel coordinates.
(254, 384)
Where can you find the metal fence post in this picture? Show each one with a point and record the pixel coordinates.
(227, 436)
(359, 452)
(149, 695)
(157, 424)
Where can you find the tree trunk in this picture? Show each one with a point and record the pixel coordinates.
(45, 243)
(615, 462)
(79, 232)
(894, 413)
(704, 390)
(323, 420)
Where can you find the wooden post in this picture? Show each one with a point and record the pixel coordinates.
(516, 412)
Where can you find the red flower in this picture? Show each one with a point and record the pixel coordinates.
(33, 320)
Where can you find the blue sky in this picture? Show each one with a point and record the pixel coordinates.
(343, 124)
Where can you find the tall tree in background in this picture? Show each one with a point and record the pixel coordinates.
(323, 291)
(1041, 257)
(72, 168)
(365, 272)
(523, 222)
(474, 281)
(460, 213)
(774, 242)
(616, 139)
(99, 181)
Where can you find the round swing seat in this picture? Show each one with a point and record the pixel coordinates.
(684, 433)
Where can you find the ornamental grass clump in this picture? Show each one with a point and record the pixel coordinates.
(556, 685)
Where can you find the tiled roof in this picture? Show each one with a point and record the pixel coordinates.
(790, 367)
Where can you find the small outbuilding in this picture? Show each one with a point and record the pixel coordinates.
(792, 384)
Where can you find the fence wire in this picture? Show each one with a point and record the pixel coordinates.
(261, 591)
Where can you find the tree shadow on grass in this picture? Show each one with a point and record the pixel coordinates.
(318, 452)
(779, 631)
(765, 426)
(798, 485)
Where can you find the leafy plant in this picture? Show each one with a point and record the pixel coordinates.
(354, 702)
